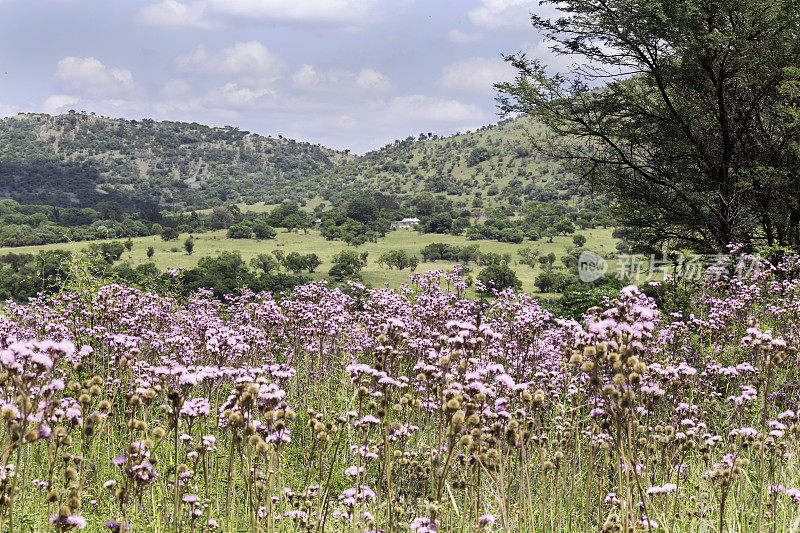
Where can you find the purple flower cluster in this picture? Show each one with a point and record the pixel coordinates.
(417, 409)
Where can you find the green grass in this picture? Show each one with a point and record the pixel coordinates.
(215, 242)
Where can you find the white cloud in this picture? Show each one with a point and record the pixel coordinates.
(504, 14)
(7, 110)
(248, 61)
(462, 37)
(476, 74)
(58, 103)
(87, 76)
(553, 62)
(214, 13)
(372, 80)
(425, 109)
(174, 14)
(308, 78)
(234, 96)
(176, 89)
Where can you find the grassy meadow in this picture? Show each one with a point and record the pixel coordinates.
(172, 254)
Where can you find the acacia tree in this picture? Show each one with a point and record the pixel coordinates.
(673, 109)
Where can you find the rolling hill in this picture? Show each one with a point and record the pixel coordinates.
(492, 167)
(79, 160)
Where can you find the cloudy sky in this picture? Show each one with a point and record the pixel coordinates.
(351, 74)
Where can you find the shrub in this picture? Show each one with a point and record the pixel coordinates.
(240, 231)
(499, 277)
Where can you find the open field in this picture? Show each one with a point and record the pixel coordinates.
(172, 254)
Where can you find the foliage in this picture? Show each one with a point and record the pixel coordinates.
(438, 251)
(347, 264)
(677, 108)
(262, 230)
(555, 281)
(265, 262)
(240, 231)
(169, 234)
(141, 165)
(499, 277)
(398, 259)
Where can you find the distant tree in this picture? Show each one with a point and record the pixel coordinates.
(478, 155)
(150, 252)
(263, 230)
(169, 234)
(459, 225)
(295, 262)
(547, 261)
(107, 251)
(565, 227)
(499, 277)
(294, 221)
(546, 281)
(437, 223)
(312, 262)
(579, 240)
(239, 231)
(362, 208)
(425, 204)
(264, 262)
(347, 264)
(513, 235)
(528, 256)
(223, 274)
(129, 245)
(188, 245)
(569, 260)
(221, 217)
(398, 259)
(492, 258)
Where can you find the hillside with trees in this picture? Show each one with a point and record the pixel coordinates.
(493, 167)
(78, 176)
(80, 160)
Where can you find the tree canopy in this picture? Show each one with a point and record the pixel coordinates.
(676, 111)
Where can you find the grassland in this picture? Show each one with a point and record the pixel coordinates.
(171, 253)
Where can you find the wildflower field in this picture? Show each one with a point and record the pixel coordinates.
(409, 410)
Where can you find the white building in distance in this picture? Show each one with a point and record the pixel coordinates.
(405, 223)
